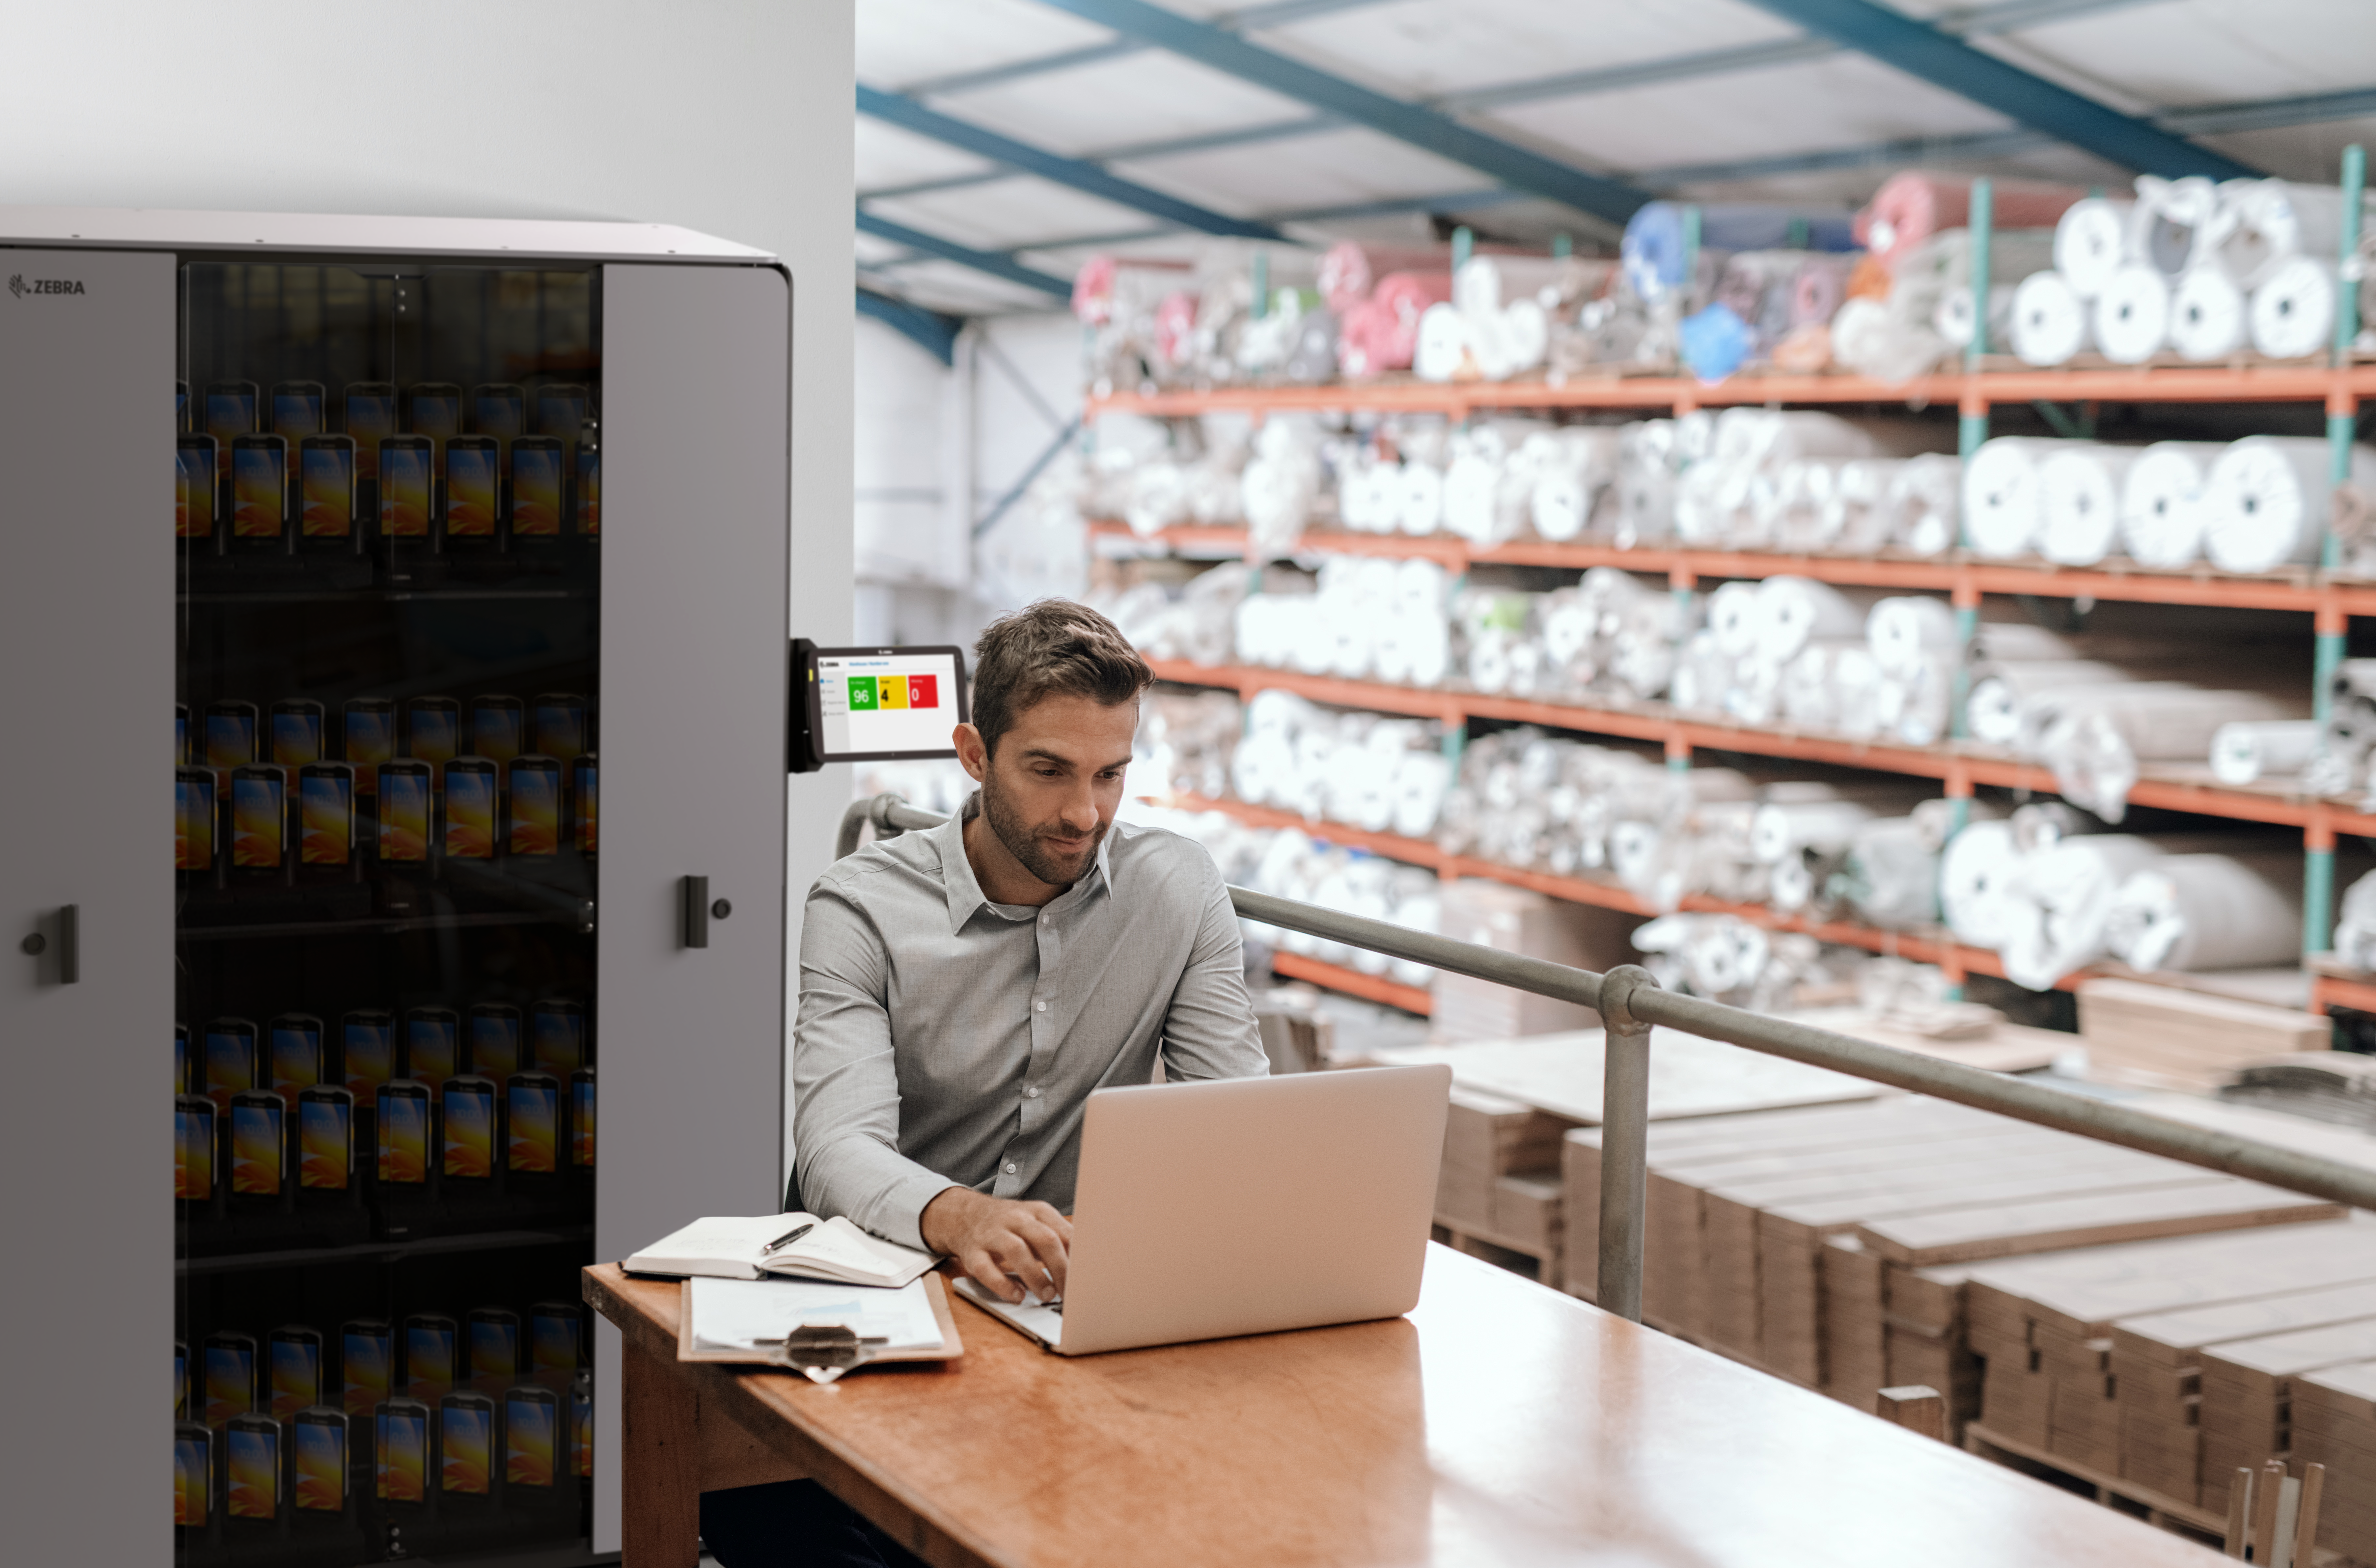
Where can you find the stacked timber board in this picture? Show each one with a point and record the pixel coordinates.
(2334, 1425)
(1500, 1179)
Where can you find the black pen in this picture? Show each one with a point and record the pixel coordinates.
(787, 1237)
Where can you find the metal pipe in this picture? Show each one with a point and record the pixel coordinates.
(890, 816)
(1624, 1141)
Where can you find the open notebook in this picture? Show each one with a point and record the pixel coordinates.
(801, 1246)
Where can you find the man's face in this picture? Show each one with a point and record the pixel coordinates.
(1051, 791)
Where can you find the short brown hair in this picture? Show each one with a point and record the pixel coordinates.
(1042, 650)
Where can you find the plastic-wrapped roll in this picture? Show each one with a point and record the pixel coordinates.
(1952, 318)
(2079, 502)
(2209, 911)
(1350, 271)
(1818, 288)
(2264, 501)
(1856, 691)
(1580, 465)
(2242, 753)
(2000, 495)
(1923, 497)
(1732, 617)
(1784, 829)
(1995, 709)
(2069, 887)
(2090, 242)
(1915, 705)
(2293, 309)
(1381, 333)
(2208, 318)
(1871, 339)
(2096, 746)
(1312, 357)
(1715, 342)
(1893, 873)
(1653, 249)
(1789, 610)
(2266, 221)
(1904, 630)
(2173, 222)
(2161, 502)
(2133, 314)
(2049, 319)
(1421, 508)
(1915, 203)
(1976, 877)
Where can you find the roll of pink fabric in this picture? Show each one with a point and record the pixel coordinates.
(1175, 326)
(1817, 291)
(1915, 203)
(1093, 289)
(1381, 333)
(1350, 272)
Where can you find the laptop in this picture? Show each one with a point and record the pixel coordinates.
(1245, 1205)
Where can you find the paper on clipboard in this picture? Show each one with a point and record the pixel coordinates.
(743, 1315)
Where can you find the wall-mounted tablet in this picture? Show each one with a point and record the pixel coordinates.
(875, 704)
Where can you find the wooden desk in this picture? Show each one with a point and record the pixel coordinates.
(1501, 1423)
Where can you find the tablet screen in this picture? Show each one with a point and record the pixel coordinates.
(886, 703)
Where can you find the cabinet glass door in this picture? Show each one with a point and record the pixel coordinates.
(387, 534)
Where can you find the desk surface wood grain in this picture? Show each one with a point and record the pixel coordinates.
(1499, 1423)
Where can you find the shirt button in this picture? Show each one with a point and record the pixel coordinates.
(1032, 1093)
(1041, 1006)
(1010, 1167)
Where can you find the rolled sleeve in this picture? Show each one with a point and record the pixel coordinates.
(1209, 1029)
(845, 1082)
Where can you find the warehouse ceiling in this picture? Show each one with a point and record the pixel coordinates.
(1001, 142)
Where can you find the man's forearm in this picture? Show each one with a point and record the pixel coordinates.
(878, 1189)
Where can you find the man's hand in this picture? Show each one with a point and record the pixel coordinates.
(999, 1241)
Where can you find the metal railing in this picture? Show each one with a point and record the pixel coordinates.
(1629, 1003)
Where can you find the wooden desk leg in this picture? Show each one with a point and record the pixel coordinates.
(660, 1465)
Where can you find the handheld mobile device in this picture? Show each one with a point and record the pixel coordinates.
(259, 817)
(297, 412)
(581, 1426)
(495, 727)
(589, 494)
(196, 475)
(296, 731)
(473, 488)
(229, 1366)
(494, 1039)
(561, 409)
(251, 1468)
(230, 739)
(532, 1147)
(230, 1063)
(535, 827)
(325, 1140)
(259, 493)
(368, 727)
(470, 791)
(432, 1044)
(581, 1119)
(875, 704)
(194, 1146)
(466, 1440)
(367, 1042)
(434, 409)
(401, 1114)
(408, 488)
(554, 1331)
(494, 1343)
(194, 1474)
(181, 1380)
(557, 725)
(432, 734)
(584, 823)
(230, 415)
(469, 1143)
(294, 1353)
(406, 797)
(317, 1440)
(432, 1349)
(556, 1027)
(536, 488)
(296, 1055)
(531, 1432)
(194, 819)
(325, 489)
(258, 1141)
(326, 815)
(371, 419)
(366, 1362)
(401, 1452)
(499, 409)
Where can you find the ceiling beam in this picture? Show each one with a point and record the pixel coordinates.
(930, 330)
(1424, 128)
(989, 262)
(1279, 13)
(1940, 58)
(908, 114)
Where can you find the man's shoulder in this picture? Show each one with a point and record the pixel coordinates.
(1168, 860)
(907, 857)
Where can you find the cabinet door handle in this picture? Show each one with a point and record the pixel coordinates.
(693, 902)
(68, 926)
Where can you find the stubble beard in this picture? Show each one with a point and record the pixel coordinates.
(1026, 846)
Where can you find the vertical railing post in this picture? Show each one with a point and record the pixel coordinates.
(1624, 1141)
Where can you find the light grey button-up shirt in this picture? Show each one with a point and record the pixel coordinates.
(945, 1039)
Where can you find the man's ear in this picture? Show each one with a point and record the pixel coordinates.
(972, 752)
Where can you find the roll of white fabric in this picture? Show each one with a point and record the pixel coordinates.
(1893, 873)
(1783, 828)
(2267, 222)
(1923, 499)
(1806, 695)
(2161, 502)
(2242, 753)
(2264, 503)
(1732, 617)
(1860, 521)
(1976, 877)
(2209, 317)
(1420, 509)
(2186, 912)
(1994, 710)
(1905, 629)
(1442, 345)
(2002, 515)
(1871, 339)
(1856, 692)
(1790, 886)
(2090, 243)
(2174, 222)
(2079, 501)
(1916, 705)
(2133, 314)
(2097, 744)
(2070, 886)
(2049, 319)
(1790, 610)
(1578, 467)
(2293, 309)
(1952, 318)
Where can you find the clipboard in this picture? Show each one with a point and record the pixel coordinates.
(952, 1347)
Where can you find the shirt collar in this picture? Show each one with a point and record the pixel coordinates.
(965, 893)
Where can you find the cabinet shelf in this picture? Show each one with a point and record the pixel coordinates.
(383, 1251)
(386, 926)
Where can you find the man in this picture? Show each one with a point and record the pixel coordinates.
(964, 990)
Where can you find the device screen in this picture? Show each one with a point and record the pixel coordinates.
(371, 740)
(553, 1331)
(494, 1041)
(437, 410)
(560, 411)
(319, 1439)
(430, 1039)
(528, 1436)
(230, 736)
(260, 486)
(428, 1358)
(324, 1139)
(231, 1060)
(297, 411)
(194, 819)
(327, 483)
(256, 1123)
(371, 419)
(466, 1426)
(499, 409)
(194, 487)
(557, 725)
(584, 785)
(870, 704)
(536, 806)
(435, 732)
(495, 727)
(581, 1118)
(258, 817)
(193, 1135)
(557, 1031)
(326, 815)
(296, 1055)
(401, 1457)
(296, 732)
(589, 491)
(229, 1360)
(494, 1343)
(194, 1481)
(370, 1052)
(403, 1134)
(231, 413)
(404, 811)
(581, 1426)
(533, 1146)
(296, 1371)
(536, 487)
(470, 487)
(470, 809)
(405, 467)
(252, 1469)
(365, 1353)
(469, 1128)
